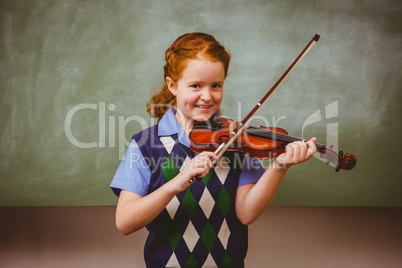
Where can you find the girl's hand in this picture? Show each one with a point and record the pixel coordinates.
(296, 152)
(199, 166)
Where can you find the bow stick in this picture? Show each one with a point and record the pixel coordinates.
(234, 134)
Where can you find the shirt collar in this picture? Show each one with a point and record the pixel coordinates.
(168, 126)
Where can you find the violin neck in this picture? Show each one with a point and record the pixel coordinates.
(272, 135)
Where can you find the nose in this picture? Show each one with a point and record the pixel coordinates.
(206, 94)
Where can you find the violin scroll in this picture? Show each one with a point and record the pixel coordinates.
(345, 162)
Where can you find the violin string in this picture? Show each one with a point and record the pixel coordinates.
(327, 153)
(271, 134)
(278, 136)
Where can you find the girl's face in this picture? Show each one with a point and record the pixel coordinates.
(198, 92)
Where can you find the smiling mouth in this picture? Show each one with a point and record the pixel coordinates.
(203, 106)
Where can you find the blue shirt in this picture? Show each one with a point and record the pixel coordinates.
(133, 173)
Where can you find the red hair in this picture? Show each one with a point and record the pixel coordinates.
(187, 47)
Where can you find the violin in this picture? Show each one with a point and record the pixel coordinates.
(257, 142)
(220, 135)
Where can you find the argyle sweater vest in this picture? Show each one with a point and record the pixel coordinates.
(199, 227)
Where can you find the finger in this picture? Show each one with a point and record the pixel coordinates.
(305, 144)
(309, 149)
(207, 164)
(210, 154)
(198, 176)
(299, 150)
(289, 152)
(206, 161)
(201, 159)
(202, 172)
(312, 148)
(311, 145)
(199, 172)
(313, 139)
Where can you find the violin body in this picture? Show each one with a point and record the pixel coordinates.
(208, 136)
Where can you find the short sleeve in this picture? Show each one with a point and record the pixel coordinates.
(251, 172)
(133, 173)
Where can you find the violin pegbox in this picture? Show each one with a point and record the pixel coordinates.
(345, 162)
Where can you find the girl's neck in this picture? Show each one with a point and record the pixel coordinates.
(185, 123)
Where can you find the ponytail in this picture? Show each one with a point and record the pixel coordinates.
(160, 102)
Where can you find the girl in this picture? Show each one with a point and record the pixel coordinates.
(193, 223)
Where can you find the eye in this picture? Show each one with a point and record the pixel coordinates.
(195, 86)
(217, 86)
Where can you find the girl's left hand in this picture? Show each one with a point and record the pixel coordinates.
(296, 152)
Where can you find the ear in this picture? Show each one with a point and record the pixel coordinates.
(171, 85)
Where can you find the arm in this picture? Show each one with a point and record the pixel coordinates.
(135, 212)
(253, 199)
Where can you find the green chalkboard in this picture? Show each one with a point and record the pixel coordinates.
(76, 75)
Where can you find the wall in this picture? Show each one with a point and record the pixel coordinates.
(76, 76)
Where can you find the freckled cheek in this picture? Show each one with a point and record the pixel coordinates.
(218, 98)
(190, 101)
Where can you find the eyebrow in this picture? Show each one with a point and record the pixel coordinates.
(199, 82)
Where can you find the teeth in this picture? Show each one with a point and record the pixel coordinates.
(201, 106)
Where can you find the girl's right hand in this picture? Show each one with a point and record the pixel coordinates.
(199, 167)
